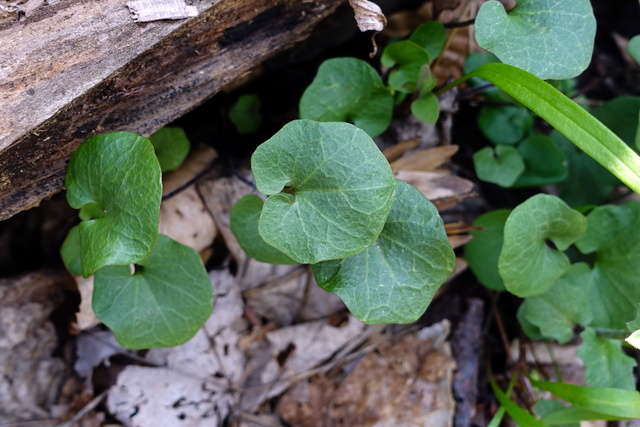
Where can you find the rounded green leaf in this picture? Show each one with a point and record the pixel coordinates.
(528, 266)
(426, 108)
(430, 36)
(330, 190)
(245, 114)
(405, 78)
(115, 180)
(605, 363)
(505, 125)
(544, 163)
(172, 147)
(348, 90)
(70, 252)
(502, 166)
(403, 53)
(162, 304)
(244, 219)
(548, 38)
(394, 280)
(483, 251)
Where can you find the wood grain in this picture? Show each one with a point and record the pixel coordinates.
(75, 68)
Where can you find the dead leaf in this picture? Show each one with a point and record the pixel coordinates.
(396, 151)
(85, 317)
(93, 348)
(30, 378)
(156, 10)
(459, 240)
(443, 189)
(199, 161)
(459, 227)
(369, 16)
(425, 160)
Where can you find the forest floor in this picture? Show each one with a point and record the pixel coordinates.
(278, 350)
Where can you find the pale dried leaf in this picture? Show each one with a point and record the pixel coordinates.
(186, 219)
(425, 160)
(459, 240)
(93, 348)
(396, 151)
(443, 189)
(459, 227)
(369, 16)
(156, 10)
(199, 161)
(85, 317)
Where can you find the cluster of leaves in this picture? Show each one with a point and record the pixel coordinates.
(149, 289)
(334, 203)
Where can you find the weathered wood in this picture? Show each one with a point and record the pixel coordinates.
(74, 68)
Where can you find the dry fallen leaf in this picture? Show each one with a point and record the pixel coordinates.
(443, 189)
(369, 16)
(156, 10)
(425, 160)
(85, 317)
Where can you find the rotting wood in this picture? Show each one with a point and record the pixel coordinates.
(74, 68)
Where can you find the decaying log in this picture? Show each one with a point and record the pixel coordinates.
(70, 69)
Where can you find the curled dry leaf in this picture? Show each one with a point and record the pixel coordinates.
(369, 16)
(425, 160)
(443, 189)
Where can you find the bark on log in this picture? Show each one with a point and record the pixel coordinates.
(70, 69)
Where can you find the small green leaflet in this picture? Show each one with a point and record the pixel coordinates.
(245, 114)
(430, 36)
(549, 38)
(404, 52)
(163, 304)
(330, 190)
(544, 163)
(394, 280)
(115, 180)
(70, 251)
(502, 165)
(348, 90)
(605, 363)
(525, 254)
(244, 219)
(171, 146)
(505, 125)
(426, 108)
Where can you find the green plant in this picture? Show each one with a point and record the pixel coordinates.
(150, 290)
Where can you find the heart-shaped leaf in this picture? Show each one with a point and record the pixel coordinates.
(527, 264)
(245, 114)
(613, 233)
(549, 38)
(426, 108)
(162, 304)
(244, 219)
(502, 166)
(556, 312)
(544, 163)
(348, 90)
(115, 180)
(605, 363)
(330, 190)
(394, 280)
(171, 146)
(505, 125)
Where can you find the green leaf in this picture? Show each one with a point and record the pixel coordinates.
(505, 125)
(163, 304)
(525, 254)
(403, 53)
(70, 252)
(585, 131)
(633, 48)
(544, 163)
(483, 251)
(610, 401)
(605, 363)
(502, 165)
(348, 90)
(518, 414)
(430, 36)
(551, 39)
(171, 146)
(244, 225)
(620, 115)
(563, 306)
(330, 190)
(634, 324)
(245, 114)
(118, 175)
(613, 233)
(426, 108)
(394, 280)
(575, 414)
(634, 339)
(544, 407)
(405, 79)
